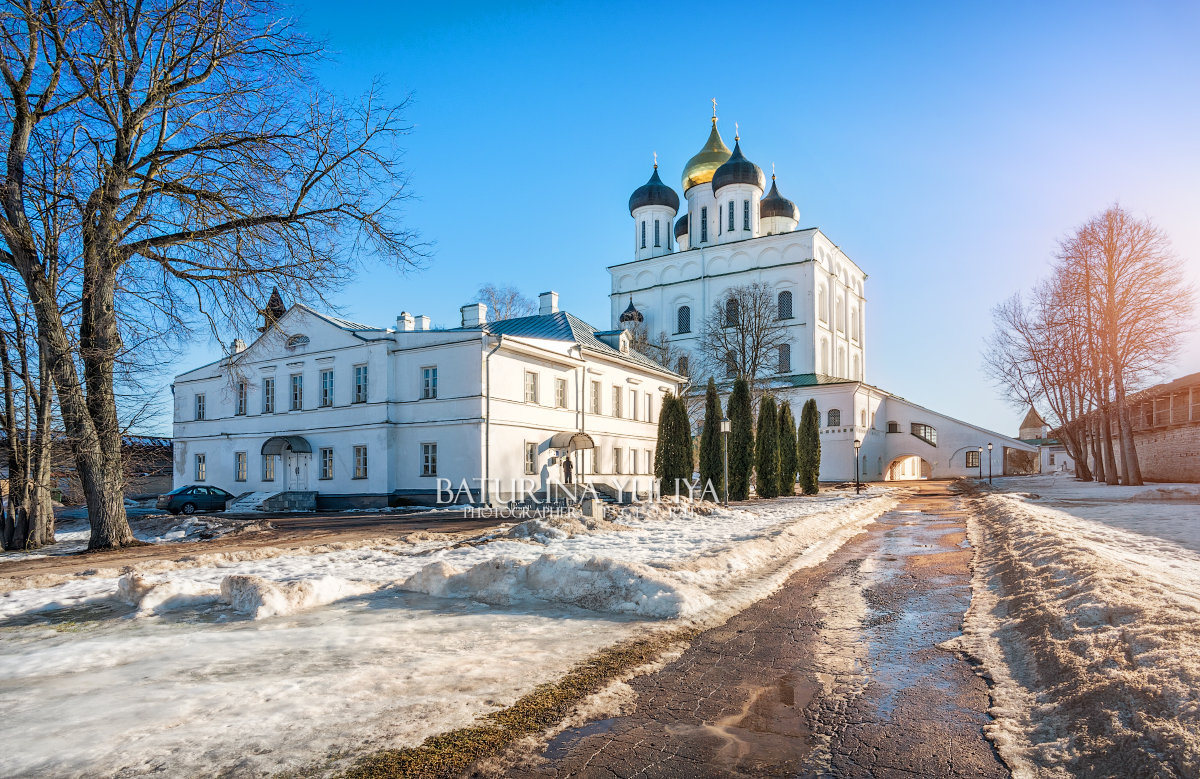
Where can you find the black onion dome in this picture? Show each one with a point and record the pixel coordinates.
(738, 170)
(653, 193)
(775, 204)
(631, 314)
(681, 226)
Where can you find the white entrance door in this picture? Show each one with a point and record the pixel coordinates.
(297, 471)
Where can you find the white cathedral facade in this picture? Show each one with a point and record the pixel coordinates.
(735, 232)
(344, 414)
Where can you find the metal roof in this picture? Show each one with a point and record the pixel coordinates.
(563, 326)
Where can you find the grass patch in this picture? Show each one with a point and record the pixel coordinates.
(450, 754)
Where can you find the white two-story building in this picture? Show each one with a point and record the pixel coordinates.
(348, 415)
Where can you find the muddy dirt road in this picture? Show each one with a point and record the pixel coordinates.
(837, 674)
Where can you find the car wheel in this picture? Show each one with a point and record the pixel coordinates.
(189, 508)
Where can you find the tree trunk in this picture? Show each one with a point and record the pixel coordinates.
(1097, 457)
(1131, 469)
(1111, 476)
(1082, 471)
(101, 481)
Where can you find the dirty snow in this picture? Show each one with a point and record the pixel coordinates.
(1086, 615)
(71, 532)
(259, 665)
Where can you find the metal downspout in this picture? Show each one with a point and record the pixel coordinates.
(487, 422)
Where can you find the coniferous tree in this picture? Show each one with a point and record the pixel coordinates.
(809, 447)
(673, 457)
(767, 450)
(711, 463)
(685, 462)
(787, 450)
(741, 440)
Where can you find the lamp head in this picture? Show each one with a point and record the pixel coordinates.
(989, 446)
(725, 424)
(857, 443)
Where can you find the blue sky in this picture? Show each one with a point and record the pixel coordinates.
(945, 148)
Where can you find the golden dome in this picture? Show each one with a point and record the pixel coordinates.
(700, 168)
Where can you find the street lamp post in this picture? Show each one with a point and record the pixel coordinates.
(857, 483)
(989, 463)
(725, 425)
(980, 463)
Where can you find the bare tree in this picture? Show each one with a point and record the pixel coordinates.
(742, 335)
(1138, 305)
(505, 302)
(1107, 319)
(196, 157)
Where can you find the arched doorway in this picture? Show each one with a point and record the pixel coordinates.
(908, 467)
(296, 453)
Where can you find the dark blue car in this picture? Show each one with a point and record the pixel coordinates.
(193, 498)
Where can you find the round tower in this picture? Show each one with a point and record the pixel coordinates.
(697, 177)
(737, 187)
(778, 214)
(653, 206)
(681, 233)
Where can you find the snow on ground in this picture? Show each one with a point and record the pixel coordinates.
(71, 531)
(255, 666)
(1086, 614)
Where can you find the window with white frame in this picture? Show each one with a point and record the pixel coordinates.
(595, 397)
(616, 401)
(926, 433)
(560, 393)
(360, 462)
(835, 417)
(649, 462)
(429, 459)
(531, 457)
(973, 458)
(731, 312)
(429, 382)
(531, 387)
(785, 358)
(297, 392)
(239, 466)
(200, 405)
(326, 388)
(633, 404)
(618, 453)
(863, 417)
(731, 216)
(360, 384)
(643, 233)
(268, 467)
(633, 461)
(703, 224)
(745, 214)
(269, 395)
(201, 468)
(657, 233)
(241, 399)
(326, 461)
(682, 365)
(649, 407)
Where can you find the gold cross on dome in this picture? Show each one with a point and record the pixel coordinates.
(656, 159)
(737, 133)
(714, 101)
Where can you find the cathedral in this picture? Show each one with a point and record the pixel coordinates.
(736, 232)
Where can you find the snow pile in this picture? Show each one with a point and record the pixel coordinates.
(261, 598)
(544, 530)
(593, 583)
(659, 585)
(1090, 632)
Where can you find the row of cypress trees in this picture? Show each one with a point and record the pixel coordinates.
(777, 454)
